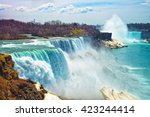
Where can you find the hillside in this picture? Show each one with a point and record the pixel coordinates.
(12, 29)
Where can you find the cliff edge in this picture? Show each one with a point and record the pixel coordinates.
(14, 88)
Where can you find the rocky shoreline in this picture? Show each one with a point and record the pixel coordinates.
(113, 44)
(110, 94)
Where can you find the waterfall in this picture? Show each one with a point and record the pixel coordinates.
(134, 35)
(44, 66)
(70, 45)
(90, 70)
(71, 69)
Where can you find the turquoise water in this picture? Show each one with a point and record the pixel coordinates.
(134, 35)
(72, 68)
(136, 58)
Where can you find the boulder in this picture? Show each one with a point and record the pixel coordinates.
(114, 44)
(110, 94)
(47, 95)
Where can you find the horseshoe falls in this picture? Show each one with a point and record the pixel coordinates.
(72, 68)
(134, 36)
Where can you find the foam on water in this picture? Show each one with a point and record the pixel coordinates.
(44, 66)
(92, 70)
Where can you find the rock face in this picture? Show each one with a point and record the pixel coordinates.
(19, 89)
(110, 94)
(145, 34)
(113, 44)
(12, 87)
(6, 67)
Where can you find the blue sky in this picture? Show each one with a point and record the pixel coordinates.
(82, 11)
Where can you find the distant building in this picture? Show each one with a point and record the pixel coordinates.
(104, 36)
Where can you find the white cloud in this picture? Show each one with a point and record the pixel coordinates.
(72, 9)
(86, 9)
(39, 8)
(67, 9)
(4, 6)
(147, 1)
(44, 7)
(22, 9)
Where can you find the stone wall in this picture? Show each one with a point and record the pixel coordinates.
(104, 36)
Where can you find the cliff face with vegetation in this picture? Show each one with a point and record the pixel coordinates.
(11, 29)
(12, 87)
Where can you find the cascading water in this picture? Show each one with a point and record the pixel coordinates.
(134, 35)
(90, 70)
(44, 66)
(70, 68)
(74, 76)
(70, 45)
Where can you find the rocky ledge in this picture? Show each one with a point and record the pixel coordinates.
(110, 94)
(14, 88)
(113, 43)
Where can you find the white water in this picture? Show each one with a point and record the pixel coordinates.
(119, 30)
(79, 75)
(37, 70)
(117, 27)
(91, 70)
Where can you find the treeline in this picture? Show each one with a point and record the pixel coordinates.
(139, 26)
(11, 29)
